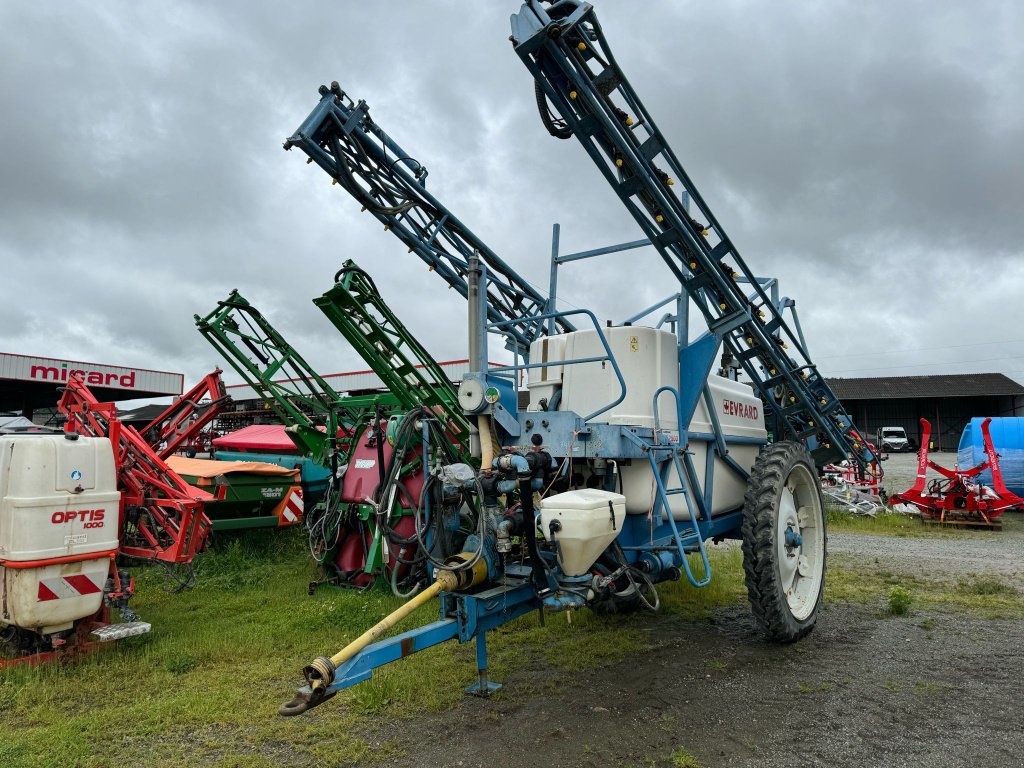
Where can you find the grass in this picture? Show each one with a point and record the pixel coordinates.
(900, 599)
(683, 759)
(883, 524)
(203, 688)
(726, 587)
(900, 525)
(982, 596)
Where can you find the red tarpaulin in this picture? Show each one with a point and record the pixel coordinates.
(258, 437)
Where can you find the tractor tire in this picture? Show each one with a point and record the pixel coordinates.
(784, 542)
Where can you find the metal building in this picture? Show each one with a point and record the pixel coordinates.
(948, 402)
(28, 384)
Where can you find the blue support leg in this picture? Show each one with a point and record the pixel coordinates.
(482, 687)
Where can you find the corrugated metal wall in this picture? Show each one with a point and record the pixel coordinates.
(948, 416)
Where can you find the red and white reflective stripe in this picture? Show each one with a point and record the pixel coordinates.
(76, 585)
(293, 507)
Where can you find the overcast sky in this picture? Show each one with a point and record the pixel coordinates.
(868, 154)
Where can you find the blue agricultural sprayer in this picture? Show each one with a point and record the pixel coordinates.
(633, 452)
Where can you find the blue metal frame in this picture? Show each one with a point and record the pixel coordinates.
(564, 48)
(340, 137)
(463, 618)
(559, 51)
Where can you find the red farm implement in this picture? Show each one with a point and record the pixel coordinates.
(956, 497)
(161, 515)
(181, 426)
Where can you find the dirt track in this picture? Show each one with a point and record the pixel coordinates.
(931, 689)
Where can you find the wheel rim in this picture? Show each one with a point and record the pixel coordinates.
(800, 542)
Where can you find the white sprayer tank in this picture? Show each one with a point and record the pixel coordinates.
(648, 360)
(586, 522)
(59, 507)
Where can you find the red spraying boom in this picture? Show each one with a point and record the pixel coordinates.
(161, 515)
(185, 419)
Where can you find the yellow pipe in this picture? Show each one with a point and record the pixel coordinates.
(387, 623)
(488, 445)
(320, 674)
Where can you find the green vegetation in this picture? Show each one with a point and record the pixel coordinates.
(985, 597)
(683, 759)
(900, 599)
(205, 685)
(884, 523)
(984, 586)
(726, 587)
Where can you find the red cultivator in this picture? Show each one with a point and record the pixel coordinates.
(957, 498)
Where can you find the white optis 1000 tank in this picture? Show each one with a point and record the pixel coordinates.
(647, 358)
(59, 507)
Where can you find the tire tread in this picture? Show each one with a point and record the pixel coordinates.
(767, 601)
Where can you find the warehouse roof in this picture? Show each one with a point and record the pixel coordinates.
(952, 385)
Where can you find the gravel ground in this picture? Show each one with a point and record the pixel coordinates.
(900, 469)
(940, 554)
(864, 689)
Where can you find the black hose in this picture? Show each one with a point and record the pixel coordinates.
(556, 126)
(538, 571)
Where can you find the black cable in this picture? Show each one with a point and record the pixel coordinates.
(556, 126)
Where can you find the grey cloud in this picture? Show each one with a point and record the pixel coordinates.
(867, 155)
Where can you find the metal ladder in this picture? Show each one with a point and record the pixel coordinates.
(564, 48)
(686, 539)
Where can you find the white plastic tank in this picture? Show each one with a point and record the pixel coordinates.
(647, 358)
(59, 508)
(544, 382)
(587, 521)
(740, 413)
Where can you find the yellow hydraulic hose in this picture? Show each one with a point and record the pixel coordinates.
(488, 444)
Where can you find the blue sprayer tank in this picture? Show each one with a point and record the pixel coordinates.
(1008, 440)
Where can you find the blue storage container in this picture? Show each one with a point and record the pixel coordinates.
(1008, 440)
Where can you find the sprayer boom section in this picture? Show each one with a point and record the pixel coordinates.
(372, 444)
(385, 180)
(189, 415)
(565, 50)
(406, 368)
